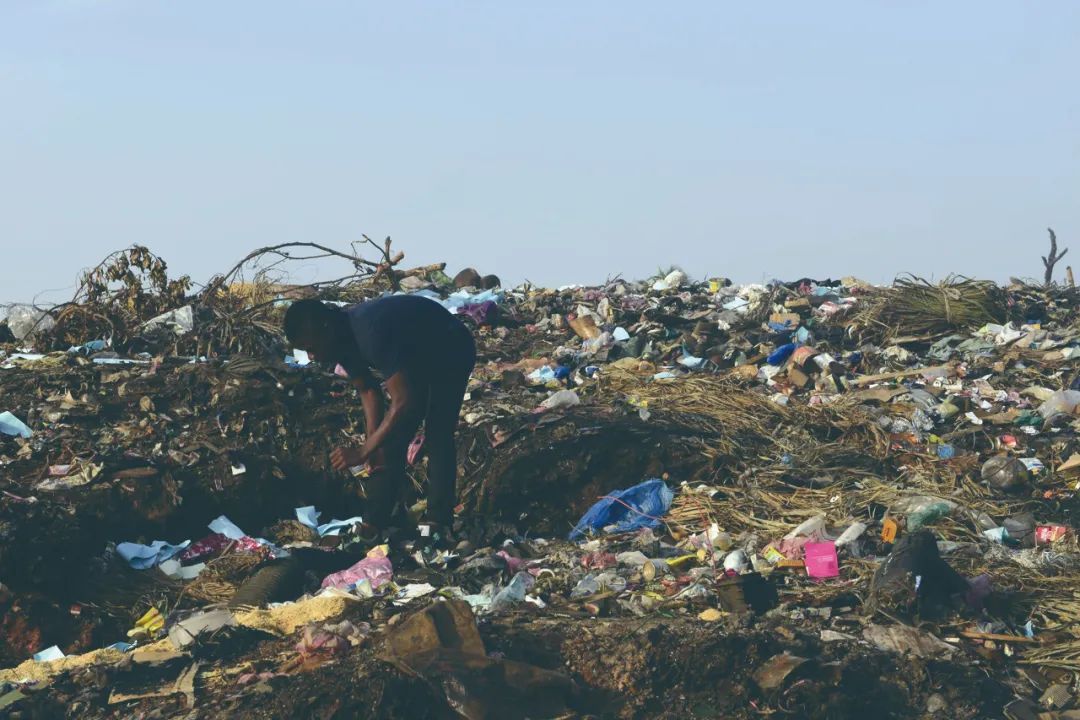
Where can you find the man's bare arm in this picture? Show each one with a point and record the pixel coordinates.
(404, 403)
(372, 398)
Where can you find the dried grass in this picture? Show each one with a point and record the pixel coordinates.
(914, 306)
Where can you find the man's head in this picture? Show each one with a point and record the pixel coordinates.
(315, 327)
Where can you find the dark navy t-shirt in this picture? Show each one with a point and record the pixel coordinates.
(398, 332)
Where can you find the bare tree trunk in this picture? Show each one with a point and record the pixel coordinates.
(1050, 260)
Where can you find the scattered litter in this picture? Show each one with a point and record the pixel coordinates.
(310, 517)
(180, 321)
(831, 461)
(776, 670)
(185, 632)
(902, 639)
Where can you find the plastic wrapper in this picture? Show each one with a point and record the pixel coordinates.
(922, 510)
(1063, 401)
(375, 569)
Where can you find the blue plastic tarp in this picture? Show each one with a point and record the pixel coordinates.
(631, 509)
(463, 298)
(458, 301)
(144, 557)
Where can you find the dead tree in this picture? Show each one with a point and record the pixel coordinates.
(1050, 260)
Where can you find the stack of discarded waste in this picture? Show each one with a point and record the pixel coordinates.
(818, 477)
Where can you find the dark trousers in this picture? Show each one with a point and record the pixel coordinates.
(441, 393)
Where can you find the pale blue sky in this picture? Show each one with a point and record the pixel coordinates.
(556, 141)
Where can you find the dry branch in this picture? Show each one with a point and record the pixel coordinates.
(1049, 261)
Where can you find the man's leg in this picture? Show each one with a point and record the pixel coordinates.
(386, 484)
(444, 406)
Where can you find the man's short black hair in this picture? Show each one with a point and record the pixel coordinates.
(304, 319)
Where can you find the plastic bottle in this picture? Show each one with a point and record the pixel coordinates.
(673, 280)
(923, 510)
(853, 533)
(513, 593)
(1005, 473)
(814, 527)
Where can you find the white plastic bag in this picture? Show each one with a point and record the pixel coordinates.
(25, 321)
(1063, 401)
(560, 400)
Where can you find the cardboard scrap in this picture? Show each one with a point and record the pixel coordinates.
(1073, 463)
(879, 394)
(797, 377)
(746, 372)
(772, 674)
(585, 327)
(10, 698)
(1002, 418)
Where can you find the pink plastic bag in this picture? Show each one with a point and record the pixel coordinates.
(821, 562)
(414, 449)
(375, 568)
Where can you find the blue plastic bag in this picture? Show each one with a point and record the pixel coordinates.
(11, 425)
(647, 502)
(780, 355)
(310, 517)
(144, 557)
(543, 374)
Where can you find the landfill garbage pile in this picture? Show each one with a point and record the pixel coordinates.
(677, 499)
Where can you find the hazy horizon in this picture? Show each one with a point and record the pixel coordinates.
(561, 143)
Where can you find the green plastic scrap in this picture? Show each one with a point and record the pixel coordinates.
(11, 698)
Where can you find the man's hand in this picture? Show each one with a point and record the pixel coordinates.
(345, 458)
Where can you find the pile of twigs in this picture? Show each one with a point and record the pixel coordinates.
(218, 582)
(238, 311)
